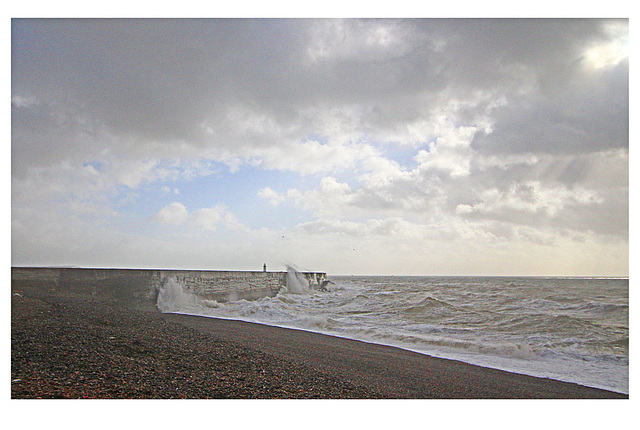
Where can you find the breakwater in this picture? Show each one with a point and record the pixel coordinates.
(139, 287)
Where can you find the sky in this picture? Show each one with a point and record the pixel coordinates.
(348, 146)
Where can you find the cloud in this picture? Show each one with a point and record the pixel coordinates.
(206, 219)
(361, 40)
(272, 196)
(449, 152)
(167, 189)
(387, 228)
(530, 197)
(388, 80)
(175, 213)
(478, 130)
(611, 52)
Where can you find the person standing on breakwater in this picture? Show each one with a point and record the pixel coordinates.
(264, 267)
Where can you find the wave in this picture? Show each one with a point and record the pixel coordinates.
(427, 304)
(603, 307)
(173, 298)
(541, 324)
(296, 282)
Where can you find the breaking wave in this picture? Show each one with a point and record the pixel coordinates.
(172, 297)
(296, 282)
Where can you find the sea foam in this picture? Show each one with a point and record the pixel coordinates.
(574, 330)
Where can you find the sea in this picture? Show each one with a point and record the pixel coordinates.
(564, 328)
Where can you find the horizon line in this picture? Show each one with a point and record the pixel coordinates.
(338, 275)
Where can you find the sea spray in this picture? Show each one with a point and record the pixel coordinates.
(296, 282)
(173, 298)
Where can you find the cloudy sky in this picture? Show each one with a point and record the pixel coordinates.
(419, 146)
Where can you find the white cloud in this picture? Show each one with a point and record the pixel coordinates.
(392, 227)
(504, 162)
(232, 223)
(272, 196)
(330, 199)
(613, 50)
(205, 219)
(530, 196)
(308, 157)
(132, 174)
(208, 218)
(168, 190)
(175, 213)
(450, 152)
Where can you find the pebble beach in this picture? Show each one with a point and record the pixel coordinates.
(80, 348)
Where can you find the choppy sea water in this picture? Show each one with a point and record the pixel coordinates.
(570, 329)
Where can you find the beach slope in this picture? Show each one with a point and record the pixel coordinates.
(63, 347)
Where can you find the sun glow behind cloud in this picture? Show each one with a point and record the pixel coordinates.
(611, 52)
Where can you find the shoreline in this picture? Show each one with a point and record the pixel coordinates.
(64, 347)
(454, 359)
(538, 387)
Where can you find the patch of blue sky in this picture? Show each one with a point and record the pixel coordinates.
(402, 154)
(95, 164)
(316, 137)
(237, 191)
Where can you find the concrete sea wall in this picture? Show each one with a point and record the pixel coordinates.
(139, 287)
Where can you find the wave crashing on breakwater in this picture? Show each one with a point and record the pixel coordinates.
(296, 282)
(172, 297)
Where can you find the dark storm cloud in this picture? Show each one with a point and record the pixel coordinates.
(161, 79)
(149, 77)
